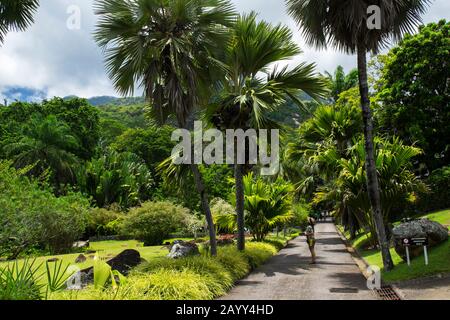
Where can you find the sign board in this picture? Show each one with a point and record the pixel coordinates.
(419, 242)
(416, 242)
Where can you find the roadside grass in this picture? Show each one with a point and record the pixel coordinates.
(443, 217)
(193, 278)
(105, 250)
(160, 278)
(439, 257)
(439, 262)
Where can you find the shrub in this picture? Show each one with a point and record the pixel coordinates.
(234, 261)
(169, 284)
(300, 212)
(33, 218)
(219, 278)
(439, 197)
(257, 253)
(224, 215)
(20, 282)
(191, 278)
(103, 222)
(154, 221)
(23, 280)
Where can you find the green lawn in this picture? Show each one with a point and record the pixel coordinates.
(439, 262)
(105, 250)
(108, 249)
(439, 257)
(443, 217)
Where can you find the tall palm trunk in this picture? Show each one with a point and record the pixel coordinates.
(371, 170)
(239, 177)
(204, 198)
(206, 208)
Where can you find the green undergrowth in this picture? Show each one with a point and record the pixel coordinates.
(193, 278)
(439, 256)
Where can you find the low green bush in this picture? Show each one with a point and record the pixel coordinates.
(205, 266)
(191, 278)
(33, 218)
(169, 285)
(103, 222)
(258, 252)
(234, 261)
(20, 282)
(153, 222)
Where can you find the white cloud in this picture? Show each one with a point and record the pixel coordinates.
(49, 56)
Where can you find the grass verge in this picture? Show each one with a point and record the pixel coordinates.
(192, 278)
(439, 257)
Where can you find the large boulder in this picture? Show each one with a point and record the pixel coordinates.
(421, 228)
(181, 249)
(123, 263)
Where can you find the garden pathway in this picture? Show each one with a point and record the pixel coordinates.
(290, 276)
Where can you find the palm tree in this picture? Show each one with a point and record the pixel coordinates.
(46, 144)
(246, 97)
(16, 15)
(340, 82)
(267, 205)
(343, 24)
(166, 46)
(348, 190)
(328, 134)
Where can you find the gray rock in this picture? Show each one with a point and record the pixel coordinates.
(81, 279)
(123, 263)
(81, 244)
(182, 249)
(435, 232)
(81, 258)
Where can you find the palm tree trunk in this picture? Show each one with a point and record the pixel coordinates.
(238, 175)
(206, 208)
(371, 170)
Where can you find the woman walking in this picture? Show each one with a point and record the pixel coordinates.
(311, 241)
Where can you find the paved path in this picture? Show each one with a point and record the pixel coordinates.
(431, 288)
(289, 276)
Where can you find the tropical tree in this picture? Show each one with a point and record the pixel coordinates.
(414, 93)
(251, 90)
(46, 144)
(348, 191)
(166, 46)
(121, 178)
(345, 25)
(328, 134)
(77, 114)
(267, 205)
(340, 82)
(16, 15)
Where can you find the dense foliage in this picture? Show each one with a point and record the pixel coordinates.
(415, 93)
(121, 178)
(33, 218)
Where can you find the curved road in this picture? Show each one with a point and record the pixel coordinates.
(290, 276)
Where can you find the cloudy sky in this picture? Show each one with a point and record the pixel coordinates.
(51, 59)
